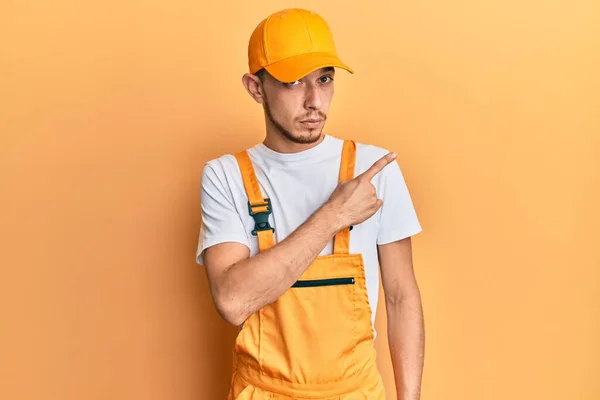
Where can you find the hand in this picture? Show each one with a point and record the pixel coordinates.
(356, 200)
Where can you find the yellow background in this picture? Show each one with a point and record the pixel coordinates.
(110, 109)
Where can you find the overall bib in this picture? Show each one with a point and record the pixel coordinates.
(316, 340)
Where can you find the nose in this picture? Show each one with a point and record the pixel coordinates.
(313, 99)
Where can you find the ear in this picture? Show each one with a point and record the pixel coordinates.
(254, 87)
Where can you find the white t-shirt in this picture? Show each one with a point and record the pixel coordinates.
(298, 184)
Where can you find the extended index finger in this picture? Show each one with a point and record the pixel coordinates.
(378, 166)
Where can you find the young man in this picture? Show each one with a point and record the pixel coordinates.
(294, 231)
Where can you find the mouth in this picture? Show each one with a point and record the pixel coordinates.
(311, 122)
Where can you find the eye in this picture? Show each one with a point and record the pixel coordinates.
(326, 79)
(294, 83)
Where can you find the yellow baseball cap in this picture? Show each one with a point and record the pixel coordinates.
(291, 44)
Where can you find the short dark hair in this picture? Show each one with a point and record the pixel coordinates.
(261, 74)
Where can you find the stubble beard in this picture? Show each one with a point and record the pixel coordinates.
(287, 134)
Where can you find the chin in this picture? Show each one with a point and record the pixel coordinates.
(306, 136)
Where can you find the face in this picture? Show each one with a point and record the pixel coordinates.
(298, 110)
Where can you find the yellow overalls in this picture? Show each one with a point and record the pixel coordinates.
(316, 340)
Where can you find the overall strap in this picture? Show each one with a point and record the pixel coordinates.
(258, 207)
(341, 242)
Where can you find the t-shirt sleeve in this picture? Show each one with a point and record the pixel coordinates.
(220, 219)
(397, 218)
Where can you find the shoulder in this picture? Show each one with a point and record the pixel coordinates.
(223, 163)
(221, 169)
(367, 154)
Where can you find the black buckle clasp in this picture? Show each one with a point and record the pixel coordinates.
(261, 219)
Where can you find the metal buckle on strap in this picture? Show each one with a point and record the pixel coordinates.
(261, 218)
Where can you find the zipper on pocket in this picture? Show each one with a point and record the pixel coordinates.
(324, 282)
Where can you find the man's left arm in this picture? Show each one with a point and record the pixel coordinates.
(406, 333)
(398, 222)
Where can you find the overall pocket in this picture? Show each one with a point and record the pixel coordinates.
(310, 333)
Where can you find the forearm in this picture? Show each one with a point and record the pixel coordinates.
(258, 281)
(406, 338)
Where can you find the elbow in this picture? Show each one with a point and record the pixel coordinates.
(234, 318)
(230, 310)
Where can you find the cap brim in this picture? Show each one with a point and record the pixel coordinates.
(293, 68)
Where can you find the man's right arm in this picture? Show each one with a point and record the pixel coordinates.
(241, 285)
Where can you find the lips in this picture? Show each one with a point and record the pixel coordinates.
(311, 121)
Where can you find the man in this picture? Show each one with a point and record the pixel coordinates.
(295, 228)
